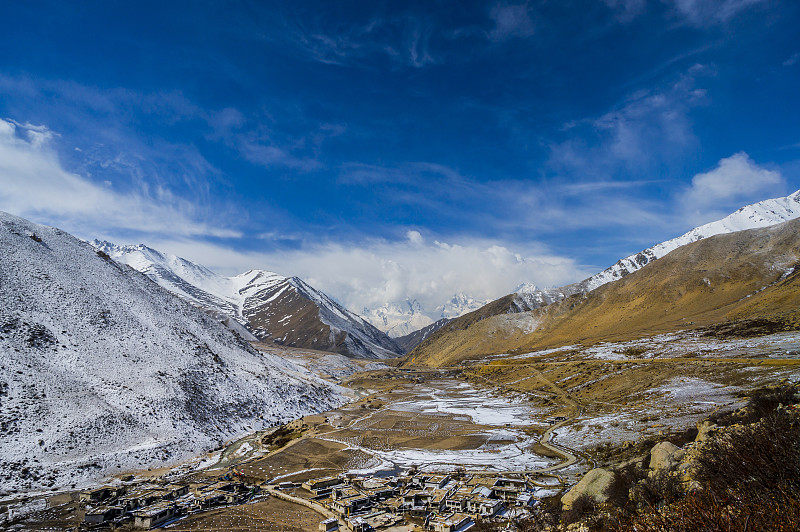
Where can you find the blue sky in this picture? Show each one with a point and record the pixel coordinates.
(385, 150)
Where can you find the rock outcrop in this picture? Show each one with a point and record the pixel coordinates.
(595, 484)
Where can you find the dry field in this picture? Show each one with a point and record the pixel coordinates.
(271, 515)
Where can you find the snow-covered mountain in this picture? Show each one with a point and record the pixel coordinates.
(400, 319)
(285, 310)
(762, 214)
(103, 371)
(459, 305)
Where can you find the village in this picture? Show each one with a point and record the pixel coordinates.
(411, 500)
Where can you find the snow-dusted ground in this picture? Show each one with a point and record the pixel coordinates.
(463, 401)
(102, 371)
(498, 419)
(675, 405)
(685, 343)
(681, 401)
(330, 365)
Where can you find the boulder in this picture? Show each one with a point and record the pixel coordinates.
(596, 484)
(662, 456)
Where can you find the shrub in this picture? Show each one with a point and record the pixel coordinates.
(751, 479)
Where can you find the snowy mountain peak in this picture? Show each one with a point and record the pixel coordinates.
(526, 288)
(398, 318)
(458, 305)
(274, 307)
(762, 214)
(401, 318)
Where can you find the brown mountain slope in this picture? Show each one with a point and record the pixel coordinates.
(292, 313)
(737, 276)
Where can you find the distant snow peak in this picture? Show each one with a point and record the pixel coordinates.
(526, 288)
(459, 305)
(400, 318)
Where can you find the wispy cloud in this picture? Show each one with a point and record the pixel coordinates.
(268, 155)
(649, 127)
(511, 206)
(626, 10)
(511, 20)
(35, 185)
(598, 186)
(700, 13)
(403, 39)
(711, 12)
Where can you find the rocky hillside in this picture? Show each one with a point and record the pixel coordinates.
(104, 371)
(748, 275)
(284, 310)
(412, 340)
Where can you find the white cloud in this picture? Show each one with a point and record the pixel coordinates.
(736, 180)
(34, 184)
(374, 272)
(792, 60)
(415, 237)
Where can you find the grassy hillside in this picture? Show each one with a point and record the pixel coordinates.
(740, 277)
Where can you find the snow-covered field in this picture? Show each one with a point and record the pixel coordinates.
(497, 420)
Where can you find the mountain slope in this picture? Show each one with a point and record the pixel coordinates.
(762, 214)
(491, 330)
(413, 339)
(747, 275)
(285, 310)
(103, 371)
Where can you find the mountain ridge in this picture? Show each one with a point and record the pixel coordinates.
(285, 310)
(527, 298)
(755, 215)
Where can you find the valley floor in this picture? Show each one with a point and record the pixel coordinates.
(541, 418)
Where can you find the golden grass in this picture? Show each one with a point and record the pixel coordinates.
(728, 277)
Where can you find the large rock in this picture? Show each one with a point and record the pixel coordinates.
(596, 484)
(663, 456)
